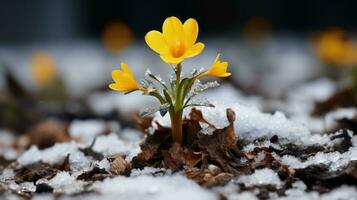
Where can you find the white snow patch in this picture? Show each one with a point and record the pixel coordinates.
(318, 90)
(63, 182)
(7, 174)
(104, 164)
(251, 124)
(111, 145)
(231, 95)
(106, 102)
(333, 116)
(334, 160)
(230, 192)
(53, 155)
(260, 177)
(298, 192)
(6, 138)
(148, 171)
(131, 135)
(86, 130)
(173, 187)
(266, 143)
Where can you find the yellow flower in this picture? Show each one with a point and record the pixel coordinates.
(218, 69)
(42, 68)
(124, 80)
(177, 41)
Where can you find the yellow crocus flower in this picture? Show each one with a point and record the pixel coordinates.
(177, 41)
(43, 68)
(217, 69)
(124, 80)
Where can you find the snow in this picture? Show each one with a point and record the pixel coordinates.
(260, 177)
(131, 135)
(148, 171)
(300, 102)
(333, 116)
(231, 95)
(266, 143)
(106, 144)
(106, 102)
(6, 145)
(315, 91)
(6, 138)
(173, 187)
(79, 162)
(53, 155)
(7, 174)
(230, 192)
(43, 197)
(251, 124)
(9, 153)
(63, 182)
(104, 164)
(86, 130)
(298, 192)
(335, 160)
(112, 145)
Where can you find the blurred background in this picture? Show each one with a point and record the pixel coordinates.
(58, 55)
(50, 20)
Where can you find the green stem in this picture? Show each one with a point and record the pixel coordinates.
(176, 111)
(176, 126)
(177, 94)
(178, 75)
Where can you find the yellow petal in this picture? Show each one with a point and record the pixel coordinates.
(126, 68)
(225, 74)
(116, 87)
(171, 60)
(155, 40)
(116, 75)
(172, 30)
(194, 50)
(191, 31)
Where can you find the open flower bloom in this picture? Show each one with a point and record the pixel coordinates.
(124, 80)
(218, 69)
(177, 41)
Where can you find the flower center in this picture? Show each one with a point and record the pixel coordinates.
(178, 49)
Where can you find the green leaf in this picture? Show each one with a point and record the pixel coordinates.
(168, 97)
(158, 96)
